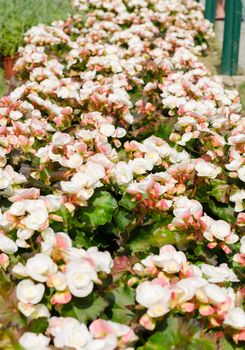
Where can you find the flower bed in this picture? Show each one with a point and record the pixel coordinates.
(122, 170)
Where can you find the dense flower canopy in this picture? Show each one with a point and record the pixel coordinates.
(122, 182)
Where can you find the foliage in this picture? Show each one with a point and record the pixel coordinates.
(17, 16)
(121, 183)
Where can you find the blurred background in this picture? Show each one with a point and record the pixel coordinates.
(16, 17)
(226, 55)
(227, 50)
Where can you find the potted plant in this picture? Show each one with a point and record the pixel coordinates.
(11, 38)
(17, 16)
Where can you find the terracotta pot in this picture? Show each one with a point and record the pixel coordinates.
(8, 63)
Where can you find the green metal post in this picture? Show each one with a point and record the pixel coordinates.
(230, 53)
(210, 10)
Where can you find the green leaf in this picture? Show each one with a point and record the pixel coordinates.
(100, 210)
(120, 219)
(224, 213)
(179, 335)
(140, 242)
(135, 94)
(121, 315)
(225, 345)
(122, 298)
(127, 202)
(67, 219)
(201, 344)
(219, 190)
(202, 193)
(39, 325)
(85, 309)
(164, 130)
(82, 240)
(155, 235)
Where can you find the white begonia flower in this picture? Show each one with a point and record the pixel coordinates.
(26, 309)
(7, 245)
(219, 229)
(58, 281)
(218, 274)
(22, 244)
(51, 202)
(178, 157)
(235, 318)
(241, 173)
(36, 219)
(102, 260)
(107, 129)
(40, 267)
(153, 157)
(30, 341)
(119, 133)
(205, 169)
(107, 343)
(120, 96)
(68, 332)
(50, 84)
(80, 277)
(48, 237)
(19, 270)
(5, 180)
(15, 115)
(18, 208)
(24, 233)
(86, 135)
(148, 261)
(128, 118)
(211, 293)
(76, 253)
(234, 165)
(191, 205)
(140, 166)
(74, 161)
(61, 139)
(120, 330)
(185, 288)
(28, 292)
(154, 297)
(242, 248)
(169, 259)
(237, 197)
(70, 186)
(123, 173)
(34, 311)
(40, 310)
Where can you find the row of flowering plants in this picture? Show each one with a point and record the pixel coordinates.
(122, 186)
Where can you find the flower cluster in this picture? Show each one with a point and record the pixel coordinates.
(118, 141)
(170, 281)
(74, 276)
(68, 332)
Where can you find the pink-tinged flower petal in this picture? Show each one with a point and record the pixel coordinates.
(240, 259)
(160, 281)
(4, 260)
(100, 328)
(226, 249)
(188, 307)
(206, 310)
(239, 336)
(147, 322)
(212, 245)
(61, 298)
(241, 219)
